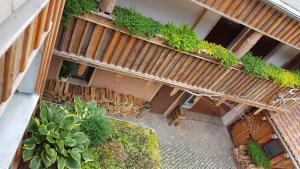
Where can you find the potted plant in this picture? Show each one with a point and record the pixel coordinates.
(107, 6)
(65, 72)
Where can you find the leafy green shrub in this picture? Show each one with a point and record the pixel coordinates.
(280, 76)
(180, 37)
(254, 65)
(77, 7)
(218, 52)
(97, 127)
(55, 139)
(257, 154)
(135, 22)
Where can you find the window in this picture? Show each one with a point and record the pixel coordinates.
(189, 103)
(78, 73)
(273, 148)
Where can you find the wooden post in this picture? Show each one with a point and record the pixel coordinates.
(244, 43)
(107, 6)
(8, 73)
(174, 91)
(257, 111)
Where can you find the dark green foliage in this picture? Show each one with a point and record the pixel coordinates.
(257, 154)
(55, 139)
(97, 127)
(131, 146)
(65, 71)
(77, 7)
(218, 52)
(280, 76)
(135, 22)
(180, 37)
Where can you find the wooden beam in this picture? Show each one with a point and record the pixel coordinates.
(8, 73)
(197, 99)
(244, 43)
(174, 91)
(221, 101)
(155, 92)
(258, 111)
(173, 105)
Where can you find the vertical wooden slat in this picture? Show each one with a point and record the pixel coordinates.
(77, 35)
(165, 63)
(148, 57)
(18, 54)
(85, 39)
(67, 35)
(140, 56)
(135, 50)
(8, 73)
(40, 26)
(94, 42)
(126, 51)
(51, 9)
(111, 47)
(119, 50)
(159, 61)
(28, 40)
(2, 71)
(171, 65)
(152, 62)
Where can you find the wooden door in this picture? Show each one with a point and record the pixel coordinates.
(162, 100)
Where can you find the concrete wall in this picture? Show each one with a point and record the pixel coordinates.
(7, 7)
(282, 55)
(178, 11)
(125, 85)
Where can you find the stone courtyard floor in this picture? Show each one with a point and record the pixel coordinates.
(201, 143)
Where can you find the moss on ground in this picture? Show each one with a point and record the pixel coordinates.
(131, 146)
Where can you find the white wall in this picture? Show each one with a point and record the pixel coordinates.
(7, 7)
(282, 55)
(178, 11)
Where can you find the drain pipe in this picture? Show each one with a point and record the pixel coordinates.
(291, 156)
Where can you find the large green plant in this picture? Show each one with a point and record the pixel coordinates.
(135, 22)
(55, 139)
(218, 52)
(77, 7)
(180, 37)
(257, 154)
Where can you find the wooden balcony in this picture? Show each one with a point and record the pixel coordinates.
(93, 40)
(22, 37)
(259, 16)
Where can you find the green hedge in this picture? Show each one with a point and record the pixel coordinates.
(76, 7)
(256, 66)
(257, 154)
(180, 37)
(135, 22)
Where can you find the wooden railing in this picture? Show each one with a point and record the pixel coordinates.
(259, 16)
(17, 59)
(93, 40)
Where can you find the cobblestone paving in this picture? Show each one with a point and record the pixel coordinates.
(191, 145)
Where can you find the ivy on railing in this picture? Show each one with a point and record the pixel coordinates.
(256, 66)
(75, 7)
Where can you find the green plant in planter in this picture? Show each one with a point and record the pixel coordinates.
(180, 37)
(77, 7)
(65, 71)
(254, 65)
(135, 22)
(55, 139)
(257, 154)
(218, 52)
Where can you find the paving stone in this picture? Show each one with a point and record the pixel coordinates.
(201, 144)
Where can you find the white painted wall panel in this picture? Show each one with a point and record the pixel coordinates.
(283, 55)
